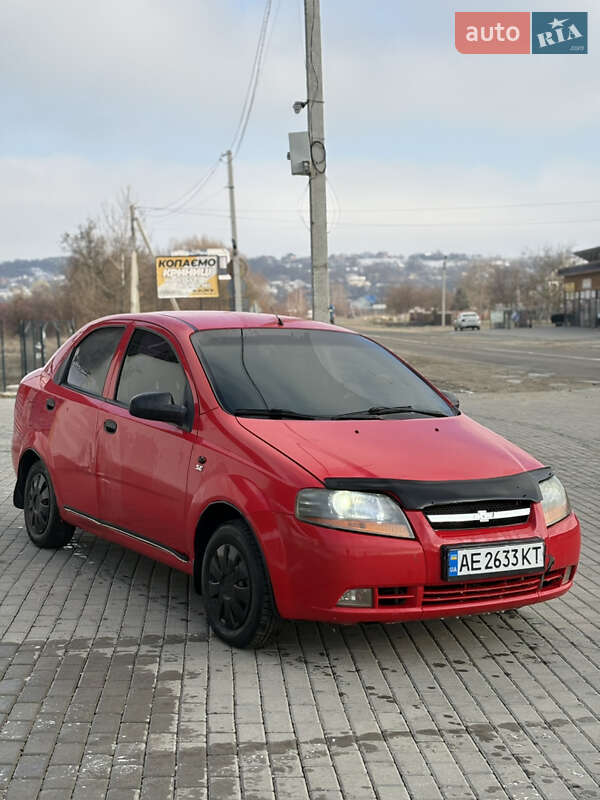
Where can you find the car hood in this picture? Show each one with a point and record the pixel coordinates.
(424, 449)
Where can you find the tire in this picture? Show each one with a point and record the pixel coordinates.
(44, 526)
(236, 589)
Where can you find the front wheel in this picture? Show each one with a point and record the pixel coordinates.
(42, 520)
(236, 588)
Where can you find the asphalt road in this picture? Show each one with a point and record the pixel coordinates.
(565, 354)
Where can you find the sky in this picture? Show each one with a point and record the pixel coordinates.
(428, 149)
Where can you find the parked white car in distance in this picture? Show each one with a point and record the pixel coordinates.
(467, 319)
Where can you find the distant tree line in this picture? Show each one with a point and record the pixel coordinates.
(528, 282)
(97, 277)
(97, 274)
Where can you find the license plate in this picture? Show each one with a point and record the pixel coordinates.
(503, 558)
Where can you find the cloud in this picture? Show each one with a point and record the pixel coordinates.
(98, 96)
(402, 207)
(145, 76)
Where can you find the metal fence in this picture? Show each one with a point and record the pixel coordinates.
(30, 348)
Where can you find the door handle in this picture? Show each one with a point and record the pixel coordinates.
(110, 426)
(50, 404)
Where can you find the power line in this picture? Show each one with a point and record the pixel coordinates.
(381, 211)
(238, 137)
(337, 215)
(185, 199)
(459, 224)
(240, 132)
(184, 209)
(471, 208)
(469, 224)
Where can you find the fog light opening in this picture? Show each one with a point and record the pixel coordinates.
(361, 598)
(568, 575)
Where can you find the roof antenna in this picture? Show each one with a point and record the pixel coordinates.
(279, 320)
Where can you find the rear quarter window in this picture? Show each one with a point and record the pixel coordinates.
(89, 365)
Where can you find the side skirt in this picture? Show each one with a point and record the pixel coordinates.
(136, 536)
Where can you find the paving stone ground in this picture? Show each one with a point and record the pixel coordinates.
(112, 687)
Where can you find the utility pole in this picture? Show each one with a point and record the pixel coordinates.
(444, 292)
(237, 278)
(172, 300)
(317, 180)
(134, 279)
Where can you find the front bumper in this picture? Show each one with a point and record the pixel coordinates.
(406, 575)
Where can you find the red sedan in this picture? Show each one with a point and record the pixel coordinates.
(295, 469)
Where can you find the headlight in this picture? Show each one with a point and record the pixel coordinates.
(555, 502)
(361, 512)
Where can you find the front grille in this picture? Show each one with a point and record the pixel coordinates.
(456, 593)
(479, 514)
(553, 579)
(393, 596)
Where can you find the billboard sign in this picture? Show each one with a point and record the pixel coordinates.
(190, 274)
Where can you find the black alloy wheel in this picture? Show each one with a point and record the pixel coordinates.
(229, 591)
(37, 504)
(42, 519)
(237, 592)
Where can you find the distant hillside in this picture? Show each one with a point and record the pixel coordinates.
(22, 267)
(363, 275)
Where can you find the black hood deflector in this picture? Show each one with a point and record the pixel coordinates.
(417, 495)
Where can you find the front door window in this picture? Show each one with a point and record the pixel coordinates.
(150, 365)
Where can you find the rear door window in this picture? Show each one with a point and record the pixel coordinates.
(150, 365)
(89, 366)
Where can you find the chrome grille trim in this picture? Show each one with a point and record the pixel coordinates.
(491, 516)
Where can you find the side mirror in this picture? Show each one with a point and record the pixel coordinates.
(158, 406)
(451, 398)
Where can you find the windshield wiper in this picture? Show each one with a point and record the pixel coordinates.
(271, 413)
(380, 411)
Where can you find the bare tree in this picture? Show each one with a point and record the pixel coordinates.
(407, 296)
(339, 299)
(460, 301)
(296, 303)
(543, 288)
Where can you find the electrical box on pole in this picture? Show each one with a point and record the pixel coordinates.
(299, 153)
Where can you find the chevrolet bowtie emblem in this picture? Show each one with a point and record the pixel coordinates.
(484, 516)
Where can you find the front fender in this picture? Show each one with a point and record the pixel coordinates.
(258, 500)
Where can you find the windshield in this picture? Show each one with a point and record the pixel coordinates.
(313, 373)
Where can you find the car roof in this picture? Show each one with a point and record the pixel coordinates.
(215, 320)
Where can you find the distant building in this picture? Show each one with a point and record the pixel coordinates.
(581, 290)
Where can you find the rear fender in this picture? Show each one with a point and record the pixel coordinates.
(35, 448)
(30, 435)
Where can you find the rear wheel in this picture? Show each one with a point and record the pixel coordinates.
(236, 588)
(42, 520)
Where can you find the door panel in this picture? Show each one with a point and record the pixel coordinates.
(142, 470)
(72, 440)
(143, 465)
(73, 432)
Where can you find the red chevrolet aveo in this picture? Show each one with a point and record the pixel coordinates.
(295, 469)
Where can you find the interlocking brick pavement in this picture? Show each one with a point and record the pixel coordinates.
(112, 687)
